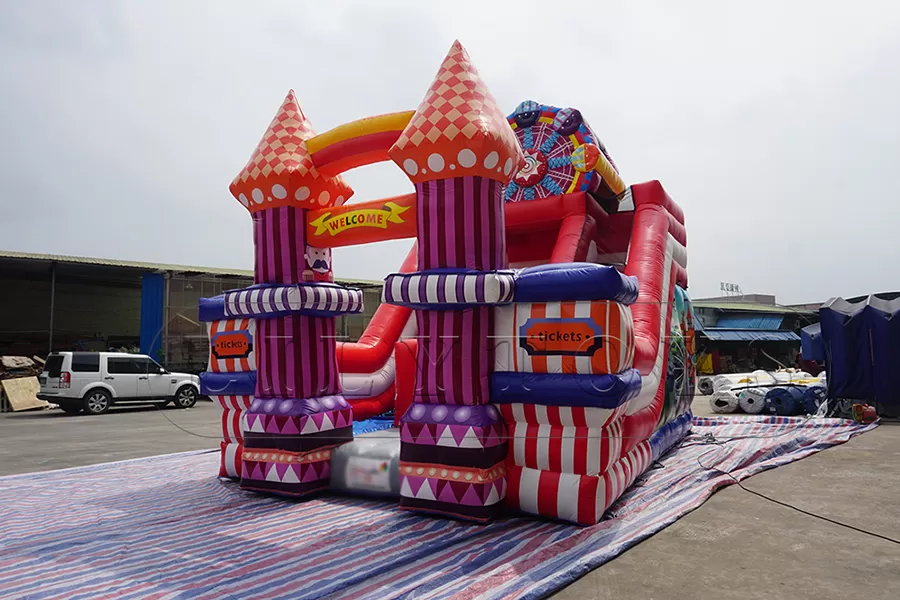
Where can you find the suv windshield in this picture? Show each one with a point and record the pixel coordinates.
(53, 366)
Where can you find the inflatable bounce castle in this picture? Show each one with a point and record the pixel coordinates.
(536, 346)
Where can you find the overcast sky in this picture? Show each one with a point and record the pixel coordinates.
(775, 125)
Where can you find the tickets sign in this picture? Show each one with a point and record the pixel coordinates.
(232, 344)
(560, 337)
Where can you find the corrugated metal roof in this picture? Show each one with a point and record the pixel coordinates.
(727, 321)
(750, 307)
(734, 335)
(146, 266)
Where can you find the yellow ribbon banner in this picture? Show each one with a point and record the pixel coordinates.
(366, 217)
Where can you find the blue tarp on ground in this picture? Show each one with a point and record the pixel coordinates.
(861, 339)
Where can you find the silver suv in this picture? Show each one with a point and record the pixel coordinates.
(94, 381)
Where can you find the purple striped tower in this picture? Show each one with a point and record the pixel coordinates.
(460, 226)
(298, 413)
(279, 239)
(459, 151)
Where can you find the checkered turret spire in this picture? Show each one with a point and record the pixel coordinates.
(280, 171)
(458, 129)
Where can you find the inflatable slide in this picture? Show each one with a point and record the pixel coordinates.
(536, 346)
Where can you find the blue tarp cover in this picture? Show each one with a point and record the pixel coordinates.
(861, 339)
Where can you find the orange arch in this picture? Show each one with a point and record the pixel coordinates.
(358, 143)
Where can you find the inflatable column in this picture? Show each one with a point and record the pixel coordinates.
(459, 151)
(298, 413)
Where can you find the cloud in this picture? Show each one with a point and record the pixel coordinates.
(773, 124)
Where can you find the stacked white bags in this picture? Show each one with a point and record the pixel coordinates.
(723, 402)
(752, 400)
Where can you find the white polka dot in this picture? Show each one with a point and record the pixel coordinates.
(492, 412)
(420, 470)
(243, 200)
(270, 405)
(499, 169)
(438, 413)
(507, 166)
(452, 166)
(302, 193)
(328, 402)
(255, 404)
(324, 197)
(257, 195)
(269, 198)
(417, 411)
(410, 166)
(436, 162)
(286, 406)
(278, 191)
(339, 201)
(424, 171)
(466, 158)
(491, 160)
(313, 404)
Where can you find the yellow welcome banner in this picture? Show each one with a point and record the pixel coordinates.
(366, 217)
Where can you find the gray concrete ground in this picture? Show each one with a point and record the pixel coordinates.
(735, 546)
(51, 439)
(738, 546)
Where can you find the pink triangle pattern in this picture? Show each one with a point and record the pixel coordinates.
(324, 421)
(457, 492)
(270, 425)
(471, 497)
(446, 493)
(429, 434)
(496, 436)
(415, 484)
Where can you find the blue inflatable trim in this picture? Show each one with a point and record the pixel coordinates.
(574, 281)
(213, 309)
(665, 438)
(559, 389)
(228, 384)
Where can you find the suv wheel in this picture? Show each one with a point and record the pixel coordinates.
(97, 402)
(186, 397)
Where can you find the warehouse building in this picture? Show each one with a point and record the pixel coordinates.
(50, 302)
(749, 332)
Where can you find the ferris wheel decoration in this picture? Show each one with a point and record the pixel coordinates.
(562, 155)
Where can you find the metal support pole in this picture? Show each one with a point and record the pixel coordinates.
(52, 303)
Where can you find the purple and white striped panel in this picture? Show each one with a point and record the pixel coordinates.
(449, 288)
(282, 300)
